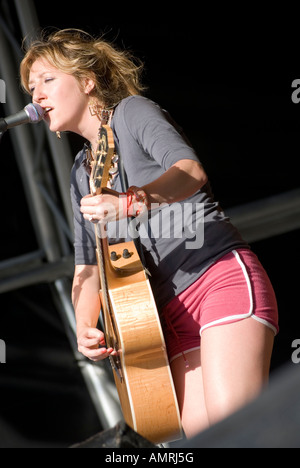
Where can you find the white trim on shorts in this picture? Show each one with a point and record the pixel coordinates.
(241, 316)
(183, 353)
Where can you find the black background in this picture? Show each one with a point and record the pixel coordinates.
(226, 77)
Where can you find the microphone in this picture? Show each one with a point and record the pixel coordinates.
(32, 113)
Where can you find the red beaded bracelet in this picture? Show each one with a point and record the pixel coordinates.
(135, 201)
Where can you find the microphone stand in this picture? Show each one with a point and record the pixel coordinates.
(3, 126)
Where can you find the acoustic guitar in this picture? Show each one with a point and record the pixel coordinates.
(132, 325)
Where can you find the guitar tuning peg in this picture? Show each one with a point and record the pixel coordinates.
(126, 253)
(115, 159)
(113, 170)
(113, 256)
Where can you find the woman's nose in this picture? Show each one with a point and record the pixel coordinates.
(38, 95)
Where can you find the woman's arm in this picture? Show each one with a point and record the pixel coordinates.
(181, 181)
(86, 302)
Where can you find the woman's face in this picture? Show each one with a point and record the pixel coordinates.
(61, 95)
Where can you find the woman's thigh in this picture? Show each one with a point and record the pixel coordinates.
(230, 370)
(235, 361)
(189, 389)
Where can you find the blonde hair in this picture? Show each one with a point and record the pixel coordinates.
(116, 73)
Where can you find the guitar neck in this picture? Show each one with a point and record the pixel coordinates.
(104, 263)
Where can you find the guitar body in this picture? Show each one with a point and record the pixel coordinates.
(146, 390)
(132, 327)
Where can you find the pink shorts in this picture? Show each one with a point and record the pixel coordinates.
(234, 288)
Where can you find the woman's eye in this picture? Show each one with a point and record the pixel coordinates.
(46, 80)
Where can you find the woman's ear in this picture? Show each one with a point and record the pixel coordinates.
(88, 85)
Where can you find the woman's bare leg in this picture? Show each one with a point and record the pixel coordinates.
(235, 362)
(189, 389)
(231, 370)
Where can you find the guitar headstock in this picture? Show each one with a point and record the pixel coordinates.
(101, 166)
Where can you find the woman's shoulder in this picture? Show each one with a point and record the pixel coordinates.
(135, 113)
(137, 103)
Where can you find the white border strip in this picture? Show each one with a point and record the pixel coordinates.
(184, 353)
(265, 322)
(238, 316)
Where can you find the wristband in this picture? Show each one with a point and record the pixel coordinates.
(134, 201)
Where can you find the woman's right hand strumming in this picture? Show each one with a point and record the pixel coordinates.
(91, 343)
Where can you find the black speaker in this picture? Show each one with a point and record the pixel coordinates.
(120, 436)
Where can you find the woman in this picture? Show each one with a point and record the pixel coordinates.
(217, 306)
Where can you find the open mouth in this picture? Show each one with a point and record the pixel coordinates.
(47, 110)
